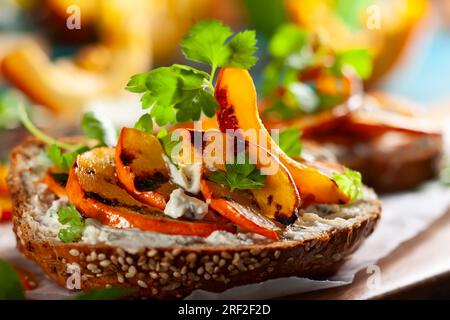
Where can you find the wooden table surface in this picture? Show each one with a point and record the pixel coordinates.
(419, 268)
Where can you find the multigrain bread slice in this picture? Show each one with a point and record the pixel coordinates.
(394, 161)
(163, 266)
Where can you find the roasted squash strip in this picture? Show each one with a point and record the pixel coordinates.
(236, 95)
(239, 210)
(141, 169)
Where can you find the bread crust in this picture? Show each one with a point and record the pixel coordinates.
(174, 272)
(403, 167)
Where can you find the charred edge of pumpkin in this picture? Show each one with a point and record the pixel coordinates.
(283, 218)
(126, 157)
(114, 203)
(150, 182)
(286, 220)
(60, 178)
(225, 114)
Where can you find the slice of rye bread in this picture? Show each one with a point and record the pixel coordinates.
(395, 161)
(316, 247)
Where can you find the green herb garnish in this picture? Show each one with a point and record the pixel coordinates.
(10, 284)
(240, 174)
(168, 143)
(63, 154)
(145, 123)
(63, 160)
(290, 141)
(73, 222)
(350, 182)
(298, 59)
(181, 93)
(99, 128)
(289, 39)
(359, 59)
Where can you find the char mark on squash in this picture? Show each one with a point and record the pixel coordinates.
(225, 114)
(99, 198)
(126, 157)
(284, 219)
(60, 178)
(116, 203)
(150, 183)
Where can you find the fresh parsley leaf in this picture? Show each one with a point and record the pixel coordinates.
(243, 48)
(288, 39)
(350, 182)
(177, 94)
(113, 293)
(359, 59)
(290, 142)
(298, 58)
(145, 123)
(10, 284)
(61, 159)
(207, 102)
(99, 128)
(211, 42)
(137, 83)
(161, 133)
(206, 43)
(243, 176)
(160, 87)
(169, 142)
(181, 93)
(71, 218)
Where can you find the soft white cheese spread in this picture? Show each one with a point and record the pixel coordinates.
(42, 218)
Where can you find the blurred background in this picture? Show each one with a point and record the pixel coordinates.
(68, 56)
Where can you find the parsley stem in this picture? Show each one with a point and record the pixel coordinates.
(211, 78)
(38, 133)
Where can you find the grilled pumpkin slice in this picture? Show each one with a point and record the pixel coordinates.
(141, 168)
(236, 95)
(94, 189)
(240, 208)
(278, 199)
